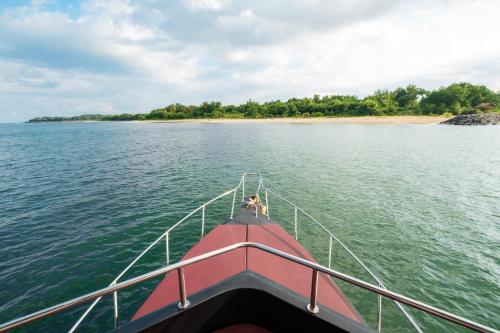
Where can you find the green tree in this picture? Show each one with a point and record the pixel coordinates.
(251, 109)
(408, 97)
(456, 98)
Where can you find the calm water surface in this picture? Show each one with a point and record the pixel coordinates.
(420, 204)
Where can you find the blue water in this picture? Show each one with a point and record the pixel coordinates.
(420, 204)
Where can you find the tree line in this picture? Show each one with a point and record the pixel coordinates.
(457, 98)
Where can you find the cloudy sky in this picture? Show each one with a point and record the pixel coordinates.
(116, 56)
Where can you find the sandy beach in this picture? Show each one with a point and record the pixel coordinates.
(320, 120)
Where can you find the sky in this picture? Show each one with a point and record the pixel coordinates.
(122, 56)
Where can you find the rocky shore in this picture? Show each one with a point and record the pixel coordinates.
(474, 119)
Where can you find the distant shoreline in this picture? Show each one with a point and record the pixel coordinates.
(381, 120)
(410, 105)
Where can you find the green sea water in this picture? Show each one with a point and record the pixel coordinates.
(419, 204)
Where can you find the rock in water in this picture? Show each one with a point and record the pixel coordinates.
(474, 119)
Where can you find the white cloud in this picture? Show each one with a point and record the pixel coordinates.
(206, 4)
(108, 8)
(124, 56)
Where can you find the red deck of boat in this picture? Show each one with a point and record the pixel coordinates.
(211, 271)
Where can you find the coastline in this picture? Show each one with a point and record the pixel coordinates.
(380, 120)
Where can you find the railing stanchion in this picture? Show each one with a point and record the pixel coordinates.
(312, 307)
(296, 229)
(379, 312)
(183, 303)
(243, 189)
(115, 305)
(202, 221)
(167, 248)
(330, 253)
(267, 206)
(232, 206)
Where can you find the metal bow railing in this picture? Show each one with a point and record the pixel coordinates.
(115, 285)
(312, 306)
(241, 185)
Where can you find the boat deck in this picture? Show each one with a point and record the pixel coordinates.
(207, 273)
(247, 216)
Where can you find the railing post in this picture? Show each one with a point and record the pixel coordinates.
(202, 221)
(115, 305)
(232, 207)
(379, 312)
(267, 206)
(296, 229)
(183, 303)
(243, 189)
(330, 253)
(167, 248)
(312, 307)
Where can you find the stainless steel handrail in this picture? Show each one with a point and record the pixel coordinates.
(312, 303)
(241, 185)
